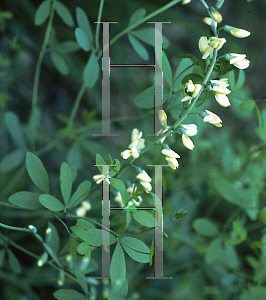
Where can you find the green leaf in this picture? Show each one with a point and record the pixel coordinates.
(80, 193)
(190, 56)
(42, 12)
(85, 261)
(26, 200)
(100, 161)
(167, 71)
(81, 233)
(67, 47)
(65, 294)
(247, 105)
(13, 262)
(120, 294)
(118, 268)
(118, 184)
(14, 128)
(74, 157)
(2, 256)
(147, 35)
(73, 248)
(12, 160)
(64, 13)
(143, 218)
(83, 40)
(37, 172)
(136, 249)
(254, 292)
(204, 227)
(84, 24)
(181, 213)
(138, 47)
(241, 79)
(261, 133)
(82, 279)
(240, 232)
(91, 71)
(213, 250)
(146, 98)
(138, 15)
(231, 79)
(51, 202)
(83, 247)
(65, 182)
(52, 237)
(95, 237)
(60, 63)
(117, 168)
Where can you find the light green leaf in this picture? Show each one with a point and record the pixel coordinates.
(91, 71)
(96, 236)
(261, 133)
(65, 294)
(13, 262)
(51, 202)
(231, 79)
(67, 47)
(138, 15)
(118, 184)
(52, 237)
(81, 233)
(26, 200)
(146, 98)
(254, 292)
(136, 249)
(147, 35)
(37, 172)
(80, 193)
(73, 248)
(241, 79)
(82, 279)
(118, 268)
(213, 250)
(74, 157)
(83, 247)
(85, 261)
(64, 13)
(84, 24)
(205, 227)
(117, 168)
(120, 294)
(100, 161)
(83, 40)
(42, 12)
(138, 47)
(60, 63)
(167, 71)
(14, 128)
(65, 182)
(247, 105)
(240, 232)
(144, 218)
(12, 160)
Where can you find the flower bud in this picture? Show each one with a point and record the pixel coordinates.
(219, 4)
(162, 117)
(238, 60)
(237, 32)
(207, 21)
(216, 15)
(185, 2)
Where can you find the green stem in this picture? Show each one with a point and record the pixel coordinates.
(38, 67)
(98, 25)
(15, 228)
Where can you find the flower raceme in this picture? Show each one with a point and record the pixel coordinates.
(238, 60)
(191, 91)
(137, 143)
(171, 158)
(219, 87)
(208, 46)
(211, 118)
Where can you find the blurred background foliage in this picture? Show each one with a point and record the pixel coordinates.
(218, 250)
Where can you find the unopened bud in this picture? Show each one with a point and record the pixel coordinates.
(207, 21)
(42, 260)
(162, 117)
(237, 32)
(216, 15)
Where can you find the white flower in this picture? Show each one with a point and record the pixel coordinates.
(132, 202)
(238, 60)
(83, 209)
(99, 178)
(145, 181)
(187, 142)
(237, 32)
(136, 139)
(162, 116)
(208, 46)
(192, 89)
(127, 153)
(220, 91)
(191, 129)
(212, 118)
(185, 2)
(171, 158)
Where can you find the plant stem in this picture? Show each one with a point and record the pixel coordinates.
(98, 25)
(38, 69)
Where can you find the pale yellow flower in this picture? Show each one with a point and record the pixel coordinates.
(238, 60)
(130, 152)
(191, 88)
(216, 15)
(212, 118)
(162, 116)
(132, 202)
(145, 181)
(208, 46)
(137, 141)
(187, 142)
(185, 2)
(171, 158)
(99, 178)
(237, 32)
(191, 129)
(220, 91)
(83, 209)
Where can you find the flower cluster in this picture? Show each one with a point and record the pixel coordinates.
(137, 143)
(171, 158)
(145, 180)
(207, 46)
